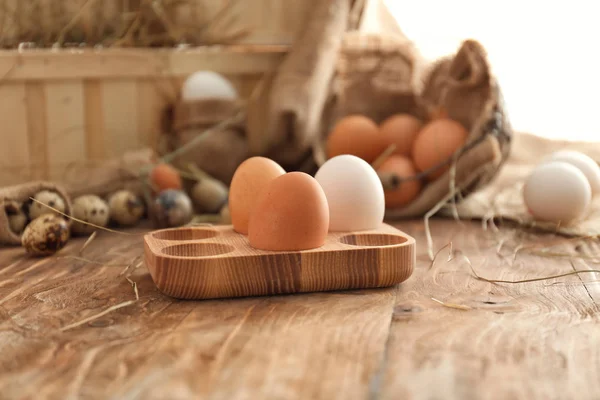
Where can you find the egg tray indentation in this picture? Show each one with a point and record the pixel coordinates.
(373, 240)
(197, 249)
(202, 242)
(181, 234)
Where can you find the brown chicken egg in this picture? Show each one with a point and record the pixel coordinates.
(292, 214)
(407, 191)
(401, 130)
(164, 176)
(436, 143)
(356, 135)
(249, 179)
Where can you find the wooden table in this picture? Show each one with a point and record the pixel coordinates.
(536, 340)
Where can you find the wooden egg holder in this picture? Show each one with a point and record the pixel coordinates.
(217, 262)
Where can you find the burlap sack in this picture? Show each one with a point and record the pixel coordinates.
(301, 86)
(503, 200)
(376, 77)
(220, 151)
(105, 177)
(19, 194)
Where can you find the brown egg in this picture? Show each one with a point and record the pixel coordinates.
(250, 178)
(407, 191)
(164, 176)
(292, 214)
(356, 135)
(401, 130)
(436, 143)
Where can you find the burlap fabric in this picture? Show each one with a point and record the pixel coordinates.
(19, 194)
(105, 177)
(376, 77)
(302, 84)
(219, 151)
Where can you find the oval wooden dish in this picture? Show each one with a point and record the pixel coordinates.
(217, 262)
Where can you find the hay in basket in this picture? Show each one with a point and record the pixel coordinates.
(116, 23)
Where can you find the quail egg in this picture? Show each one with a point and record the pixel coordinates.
(92, 209)
(172, 208)
(125, 208)
(48, 197)
(209, 195)
(45, 235)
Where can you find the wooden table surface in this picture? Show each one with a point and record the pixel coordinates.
(536, 340)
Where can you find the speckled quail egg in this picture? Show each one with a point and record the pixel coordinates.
(172, 208)
(125, 208)
(17, 219)
(92, 209)
(45, 235)
(209, 195)
(48, 197)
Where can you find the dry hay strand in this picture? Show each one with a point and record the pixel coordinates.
(452, 305)
(143, 23)
(81, 221)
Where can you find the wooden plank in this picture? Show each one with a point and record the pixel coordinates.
(135, 63)
(120, 111)
(65, 121)
(94, 120)
(36, 129)
(14, 148)
(317, 346)
(153, 96)
(528, 340)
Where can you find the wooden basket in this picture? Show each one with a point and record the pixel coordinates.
(66, 109)
(70, 109)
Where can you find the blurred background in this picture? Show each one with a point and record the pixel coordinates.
(544, 53)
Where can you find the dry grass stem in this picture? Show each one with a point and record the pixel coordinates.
(383, 156)
(83, 222)
(450, 252)
(452, 305)
(87, 242)
(143, 23)
(101, 314)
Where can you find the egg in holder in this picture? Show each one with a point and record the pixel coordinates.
(217, 262)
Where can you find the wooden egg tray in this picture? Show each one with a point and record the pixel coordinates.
(217, 262)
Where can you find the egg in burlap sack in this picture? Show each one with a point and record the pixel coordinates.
(381, 76)
(216, 127)
(13, 197)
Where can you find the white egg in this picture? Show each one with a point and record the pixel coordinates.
(354, 193)
(557, 191)
(585, 163)
(207, 85)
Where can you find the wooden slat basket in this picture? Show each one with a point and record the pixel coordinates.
(66, 108)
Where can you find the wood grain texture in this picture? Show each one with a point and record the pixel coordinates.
(94, 120)
(14, 148)
(65, 119)
(37, 130)
(522, 341)
(317, 346)
(217, 262)
(120, 109)
(518, 341)
(47, 65)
